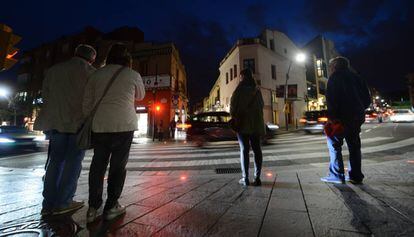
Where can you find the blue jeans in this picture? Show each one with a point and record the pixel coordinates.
(62, 171)
(245, 140)
(351, 136)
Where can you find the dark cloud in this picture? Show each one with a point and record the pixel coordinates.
(325, 16)
(387, 58)
(256, 15)
(202, 45)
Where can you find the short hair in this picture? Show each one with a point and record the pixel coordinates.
(118, 54)
(86, 52)
(339, 63)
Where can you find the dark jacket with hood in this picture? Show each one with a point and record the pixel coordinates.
(347, 97)
(247, 106)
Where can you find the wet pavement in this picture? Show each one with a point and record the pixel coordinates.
(291, 202)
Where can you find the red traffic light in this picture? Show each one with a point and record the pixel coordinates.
(157, 108)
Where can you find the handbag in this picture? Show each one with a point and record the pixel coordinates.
(234, 122)
(332, 129)
(84, 136)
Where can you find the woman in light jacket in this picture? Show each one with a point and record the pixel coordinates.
(247, 108)
(113, 127)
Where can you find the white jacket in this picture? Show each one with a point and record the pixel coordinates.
(62, 93)
(116, 112)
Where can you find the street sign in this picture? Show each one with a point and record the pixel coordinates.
(160, 81)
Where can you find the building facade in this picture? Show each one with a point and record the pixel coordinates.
(171, 94)
(271, 57)
(165, 80)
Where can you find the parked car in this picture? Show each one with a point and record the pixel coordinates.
(213, 126)
(314, 121)
(15, 137)
(402, 115)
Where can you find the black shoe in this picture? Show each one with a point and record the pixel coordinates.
(257, 182)
(244, 181)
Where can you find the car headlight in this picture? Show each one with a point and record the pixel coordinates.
(40, 138)
(6, 140)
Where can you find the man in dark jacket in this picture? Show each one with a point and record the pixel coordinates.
(347, 98)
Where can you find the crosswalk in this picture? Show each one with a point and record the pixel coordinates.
(286, 147)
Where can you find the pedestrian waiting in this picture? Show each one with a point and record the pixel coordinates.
(61, 118)
(246, 109)
(347, 98)
(113, 128)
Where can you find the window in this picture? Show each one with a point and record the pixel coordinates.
(235, 70)
(272, 44)
(231, 74)
(273, 67)
(227, 78)
(249, 63)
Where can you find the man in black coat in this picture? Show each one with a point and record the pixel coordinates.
(347, 98)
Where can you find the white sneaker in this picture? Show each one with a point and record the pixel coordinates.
(114, 212)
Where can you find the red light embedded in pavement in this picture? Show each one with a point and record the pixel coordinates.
(410, 161)
(183, 177)
(269, 174)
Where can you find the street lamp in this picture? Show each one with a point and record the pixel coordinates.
(300, 57)
(5, 93)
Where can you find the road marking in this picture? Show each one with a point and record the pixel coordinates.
(221, 152)
(368, 130)
(183, 164)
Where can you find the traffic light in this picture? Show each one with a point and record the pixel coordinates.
(157, 108)
(7, 49)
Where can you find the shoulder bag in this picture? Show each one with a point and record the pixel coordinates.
(84, 136)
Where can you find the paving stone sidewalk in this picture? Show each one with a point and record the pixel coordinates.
(291, 202)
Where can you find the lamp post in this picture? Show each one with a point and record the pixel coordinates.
(300, 57)
(5, 94)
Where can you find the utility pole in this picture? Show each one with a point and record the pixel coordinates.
(285, 97)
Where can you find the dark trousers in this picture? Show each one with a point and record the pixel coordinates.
(245, 140)
(351, 136)
(62, 170)
(112, 148)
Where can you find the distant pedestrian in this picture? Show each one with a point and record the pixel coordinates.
(60, 118)
(160, 131)
(172, 127)
(247, 109)
(113, 128)
(347, 98)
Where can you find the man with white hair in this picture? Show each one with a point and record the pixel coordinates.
(347, 98)
(61, 117)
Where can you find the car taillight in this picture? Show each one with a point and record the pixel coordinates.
(302, 120)
(184, 125)
(374, 114)
(323, 119)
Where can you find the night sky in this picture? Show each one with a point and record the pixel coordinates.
(377, 36)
